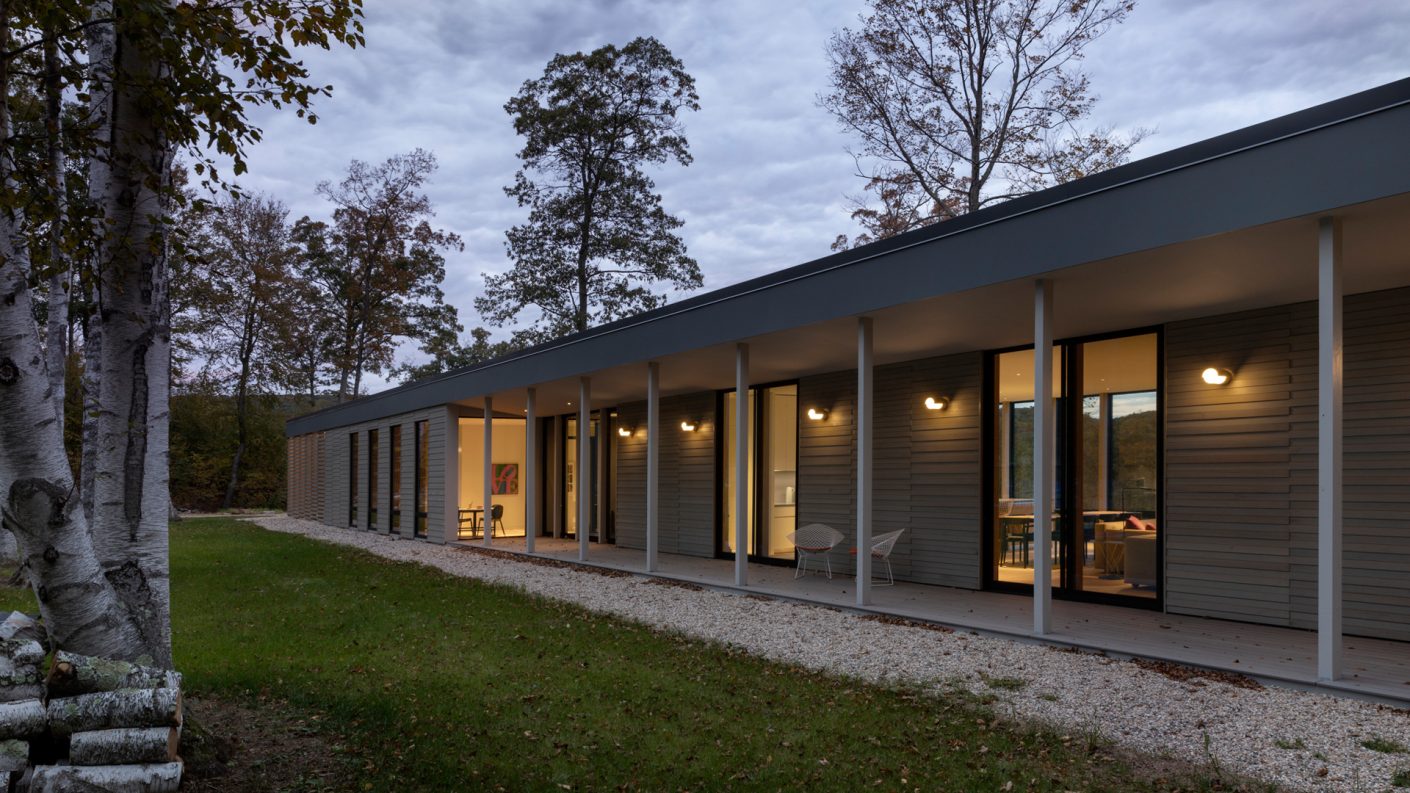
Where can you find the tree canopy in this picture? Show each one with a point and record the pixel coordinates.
(959, 104)
(597, 244)
(97, 97)
(377, 267)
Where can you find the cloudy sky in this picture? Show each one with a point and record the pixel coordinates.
(771, 174)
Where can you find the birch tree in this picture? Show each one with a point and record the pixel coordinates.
(157, 78)
(959, 104)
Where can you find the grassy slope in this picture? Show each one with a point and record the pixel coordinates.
(437, 683)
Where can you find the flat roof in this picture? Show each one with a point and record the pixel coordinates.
(1340, 153)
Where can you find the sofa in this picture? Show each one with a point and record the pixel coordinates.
(1140, 558)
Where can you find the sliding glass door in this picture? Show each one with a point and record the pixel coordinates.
(1106, 536)
(772, 475)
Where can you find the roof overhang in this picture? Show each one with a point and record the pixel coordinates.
(1218, 226)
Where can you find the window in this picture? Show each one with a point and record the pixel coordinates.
(372, 479)
(1107, 468)
(352, 479)
(772, 475)
(395, 476)
(423, 461)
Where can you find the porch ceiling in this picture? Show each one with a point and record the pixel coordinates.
(1269, 265)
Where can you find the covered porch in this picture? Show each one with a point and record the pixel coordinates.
(1374, 668)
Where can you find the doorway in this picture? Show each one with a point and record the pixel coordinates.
(772, 475)
(1106, 543)
(595, 483)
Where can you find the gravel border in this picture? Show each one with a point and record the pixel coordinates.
(1296, 739)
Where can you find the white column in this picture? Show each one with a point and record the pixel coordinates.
(487, 533)
(530, 474)
(741, 465)
(1044, 457)
(864, 459)
(653, 463)
(583, 485)
(450, 498)
(1329, 450)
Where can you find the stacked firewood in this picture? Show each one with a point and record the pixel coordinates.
(92, 724)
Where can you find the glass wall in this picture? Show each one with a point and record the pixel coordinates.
(352, 479)
(1120, 426)
(372, 479)
(575, 485)
(728, 500)
(395, 468)
(423, 465)
(1012, 524)
(771, 477)
(1106, 540)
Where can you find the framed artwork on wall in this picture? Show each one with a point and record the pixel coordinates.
(505, 479)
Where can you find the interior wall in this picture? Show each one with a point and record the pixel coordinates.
(508, 447)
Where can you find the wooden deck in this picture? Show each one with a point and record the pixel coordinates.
(1375, 668)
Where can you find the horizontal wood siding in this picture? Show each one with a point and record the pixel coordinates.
(945, 471)
(827, 458)
(1241, 466)
(687, 470)
(927, 470)
(336, 478)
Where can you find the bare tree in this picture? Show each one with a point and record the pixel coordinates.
(959, 104)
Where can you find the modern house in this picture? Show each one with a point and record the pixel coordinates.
(1179, 387)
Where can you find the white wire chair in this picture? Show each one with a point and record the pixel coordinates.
(815, 539)
(881, 547)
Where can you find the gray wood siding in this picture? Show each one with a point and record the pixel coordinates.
(439, 436)
(384, 478)
(927, 470)
(336, 487)
(827, 458)
(687, 510)
(1241, 466)
(331, 462)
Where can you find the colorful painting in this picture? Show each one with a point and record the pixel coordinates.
(505, 480)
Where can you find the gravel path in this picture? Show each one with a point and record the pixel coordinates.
(1299, 740)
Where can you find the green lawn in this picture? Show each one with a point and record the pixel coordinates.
(437, 683)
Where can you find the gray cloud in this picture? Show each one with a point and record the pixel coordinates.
(768, 185)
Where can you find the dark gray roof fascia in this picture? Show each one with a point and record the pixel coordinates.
(1335, 154)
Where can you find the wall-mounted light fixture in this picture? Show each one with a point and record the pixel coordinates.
(1216, 376)
(690, 425)
(817, 414)
(937, 403)
(625, 432)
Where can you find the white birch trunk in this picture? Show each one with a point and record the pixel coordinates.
(106, 710)
(157, 778)
(56, 334)
(79, 607)
(130, 485)
(22, 719)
